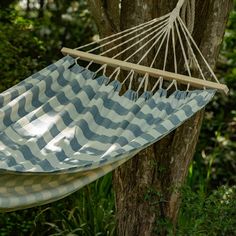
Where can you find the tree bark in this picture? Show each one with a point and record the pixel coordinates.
(106, 15)
(41, 9)
(146, 187)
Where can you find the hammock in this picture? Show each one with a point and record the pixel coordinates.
(68, 125)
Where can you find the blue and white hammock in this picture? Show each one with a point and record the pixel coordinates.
(66, 126)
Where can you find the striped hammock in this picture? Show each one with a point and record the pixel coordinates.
(66, 126)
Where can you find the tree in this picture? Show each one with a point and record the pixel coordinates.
(146, 187)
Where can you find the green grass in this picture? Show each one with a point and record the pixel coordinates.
(212, 214)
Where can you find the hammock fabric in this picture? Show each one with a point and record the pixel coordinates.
(61, 128)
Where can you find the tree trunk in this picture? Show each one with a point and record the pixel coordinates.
(41, 9)
(146, 187)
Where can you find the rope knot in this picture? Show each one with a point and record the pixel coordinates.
(174, 14)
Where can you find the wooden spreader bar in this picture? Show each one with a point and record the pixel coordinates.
(183, 79)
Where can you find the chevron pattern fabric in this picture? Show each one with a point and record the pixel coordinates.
(64, 127)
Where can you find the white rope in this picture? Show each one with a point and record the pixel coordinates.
(115, 35)
(116, 71)
(131, 74)
(191, 49)
(179, 5)
(142, 82)
(146, 82)
(183, 12)
(117, 74)
(144, 45)
(198, 50)
(154, 44)
(176, 11)
(160, 29)
(160, 82)
(167, 48)
(131, 79)
(193, 4)
(90, 63)
(156, 28)
(157, 52)
(188, 87)
(151, 29)
(190, 17)
(182, 48)
(188, 14)
(174, 51)
(166, 31)
(173, 83)
(135, 28)
(103, 67)
(123, 36)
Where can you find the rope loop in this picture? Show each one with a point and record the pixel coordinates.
(116, 72)
(173, 83)
(188, 87)
(141, 84)
(158, 38)
(131, 73)
(90, 63)
(131, 80)
(146, 76)
(103, 67)
(159, 82)
(76, 60)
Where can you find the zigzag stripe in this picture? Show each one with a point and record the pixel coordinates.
(97, 118)
(28, 83)
(64, 129)
(160, 130)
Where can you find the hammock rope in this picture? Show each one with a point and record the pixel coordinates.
(164, 33)
(68, 125)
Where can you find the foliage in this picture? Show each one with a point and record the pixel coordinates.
(27, 36)
(64, 23)
(203, 215)
(17, 40)
(12, 224)
(208, 215)
(214, 163)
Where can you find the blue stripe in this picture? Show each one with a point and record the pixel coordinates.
(70, 84)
